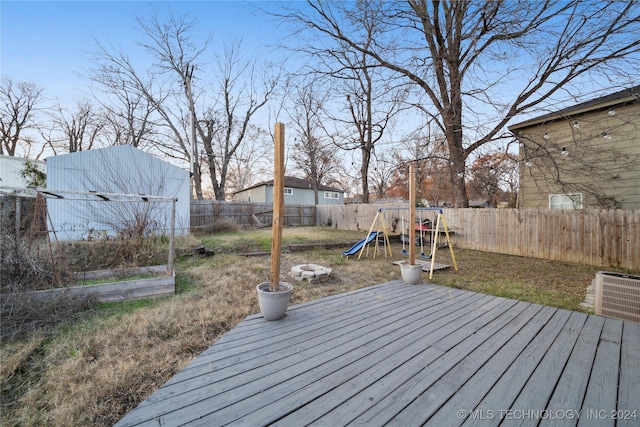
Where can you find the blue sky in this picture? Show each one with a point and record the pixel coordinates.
(49, 42)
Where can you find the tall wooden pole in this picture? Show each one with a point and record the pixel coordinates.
(412, 214)
(278, 205)
(192, 123)
(172, 236)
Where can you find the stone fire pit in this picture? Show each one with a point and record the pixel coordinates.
(310, 272)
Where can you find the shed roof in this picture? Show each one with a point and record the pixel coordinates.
(293, 182)
(624, 96)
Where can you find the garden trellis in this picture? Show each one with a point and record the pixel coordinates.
(71, 199)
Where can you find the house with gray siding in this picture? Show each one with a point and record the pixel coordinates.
(121, 169)
(296, 192)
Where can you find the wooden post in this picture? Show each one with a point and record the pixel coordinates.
(278, 205)
(18, 201)
(412, 214)
(172, 237)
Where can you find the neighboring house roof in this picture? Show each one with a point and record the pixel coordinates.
(292, 182)
(622, 97)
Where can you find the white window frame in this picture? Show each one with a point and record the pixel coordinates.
(288, 191)
(565, 201)
(332, 195)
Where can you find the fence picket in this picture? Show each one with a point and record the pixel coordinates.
(590, 236)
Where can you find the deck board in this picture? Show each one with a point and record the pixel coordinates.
(629, 372)
(572, 384)
(602, 390)
(397, 354)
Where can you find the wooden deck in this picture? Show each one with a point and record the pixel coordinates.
(409, 355)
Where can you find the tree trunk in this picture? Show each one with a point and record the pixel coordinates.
(197, 180)
(364, 170)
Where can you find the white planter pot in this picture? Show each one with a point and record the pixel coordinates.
(411, 273)
(273, 305)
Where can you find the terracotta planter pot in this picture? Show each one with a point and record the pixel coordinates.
(273, 305)
(411, 273)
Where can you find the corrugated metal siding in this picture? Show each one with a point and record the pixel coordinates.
(120, 169)
(11, 169)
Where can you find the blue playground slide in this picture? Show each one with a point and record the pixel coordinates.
(358, 246)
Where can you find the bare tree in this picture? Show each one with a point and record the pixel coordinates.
(427, 151)
(313, 154)
(371, 96)
(493, 177)
(171, 44)
(128, 113)
(78, 131)
(368, 122)
(381, 175)
(20, 101)
(242, 90)
(172, 100)
(450, 49)
(251, 161)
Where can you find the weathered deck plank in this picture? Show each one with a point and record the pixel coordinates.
(265, 362)
(572, 385)
(246, 395)
(539, 387)
(417, 398)
(390, 358)
(361, 393)
(396, 354)
(239, 347)
(602, 391)
(503, 393)
(628, 398)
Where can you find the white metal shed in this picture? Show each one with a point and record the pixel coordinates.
(11, 169)
(119, 169)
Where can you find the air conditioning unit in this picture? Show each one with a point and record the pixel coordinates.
(618, 295)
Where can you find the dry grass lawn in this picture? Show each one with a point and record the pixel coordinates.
(94, 370)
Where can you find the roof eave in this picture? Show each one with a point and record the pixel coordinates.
(571, 113)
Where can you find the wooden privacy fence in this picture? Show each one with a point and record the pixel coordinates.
(608, 238)
(360, 216)
(205, 212)
(592, 237)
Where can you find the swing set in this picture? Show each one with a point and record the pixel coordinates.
(423, 226)
(412, 229)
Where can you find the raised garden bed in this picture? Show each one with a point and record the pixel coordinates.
(162, 285)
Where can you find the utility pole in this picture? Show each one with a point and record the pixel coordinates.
(192, 115)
